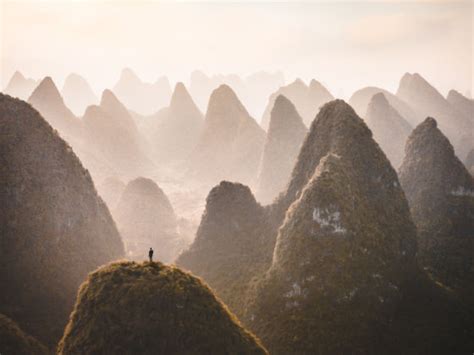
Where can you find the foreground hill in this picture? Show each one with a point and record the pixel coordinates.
(440, 191)
(150, 308)
(54, 227)
(14, 341)
(145, 219)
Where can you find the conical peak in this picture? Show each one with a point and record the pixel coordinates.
(144, 186)
(226, 194)
(224, 97)
(429, 122)
(299, 83)
(180, 95)
(379, 99)
(282, 102)
(283, 114)
(128, 74)
(92, 111)
(335, 112)
(17, 76)
(73, 77)
(108, 98)
(426, 138)
(46, 91)
(315, 85)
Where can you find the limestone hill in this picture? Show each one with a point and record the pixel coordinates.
(283, 142)
(440, 191)
(54, 227)
(150, 308)
(145, 219)
(390, 130)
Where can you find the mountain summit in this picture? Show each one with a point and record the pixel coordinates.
(175, 130)
(440, 191)
(231, 142)
(284, 138)
(78, 94)
(390, 129)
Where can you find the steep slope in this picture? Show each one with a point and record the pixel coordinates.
(229, 246)
(427, 101)
(144, 98)
(390, 130)
(461, 103)
(344, 278)
(307, 100)
(231, 142)
(14, 341)
(283, 142)
(440, 191)
(469, 161)
(19, 86)
(48, 101)
(176, 129)
(361, 98)
(151, 308)
(145, 218)
(111, 132)
(344, 249)
(78, 94)
(54, 227)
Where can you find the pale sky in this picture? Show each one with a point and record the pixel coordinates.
(345, 45)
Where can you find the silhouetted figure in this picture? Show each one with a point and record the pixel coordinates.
(150, 254)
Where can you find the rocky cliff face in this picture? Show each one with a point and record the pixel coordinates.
(175, 130)
(283, 142)
(55, 228)
(151, 308)
(78, 94)
(19, 86)
(307, 100)
(390, 130)
(231, 143)
(440, 191)
(145, 219)
(427, 101)
(229, 248)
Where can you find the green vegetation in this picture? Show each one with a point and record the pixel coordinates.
(55, 229)
(150, 308)
(13, 341)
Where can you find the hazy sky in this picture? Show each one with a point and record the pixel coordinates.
(345, 45)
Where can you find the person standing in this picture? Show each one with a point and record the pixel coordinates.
(150, 255)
